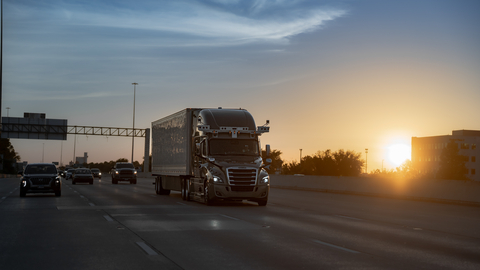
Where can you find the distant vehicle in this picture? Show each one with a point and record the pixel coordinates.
(69, 173)
(40, 178)
(82, 175)
(210, 155)
(96, 173)
(61, 173)
(124, 171)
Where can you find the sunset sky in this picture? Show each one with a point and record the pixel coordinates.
(327, 74)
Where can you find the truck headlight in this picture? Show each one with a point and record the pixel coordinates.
(24, 183)
(217, 179)
(135, 172)
(266, 179)
(116, 172)
(99, 173)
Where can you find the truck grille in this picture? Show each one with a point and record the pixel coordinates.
(40, 181)
(242, 178)
(126, 172)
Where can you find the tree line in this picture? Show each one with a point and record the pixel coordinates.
(339, 163)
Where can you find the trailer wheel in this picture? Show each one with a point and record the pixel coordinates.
(184, 189)
(187, 190)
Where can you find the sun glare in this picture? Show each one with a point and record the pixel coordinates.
(398, 153)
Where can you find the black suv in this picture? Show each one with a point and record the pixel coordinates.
(123, 171)
(40, 178)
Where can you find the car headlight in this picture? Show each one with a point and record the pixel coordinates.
(135, 172)
(99, 173)
(116, 172)
(217, 179)
(24, 183)
(266, 179)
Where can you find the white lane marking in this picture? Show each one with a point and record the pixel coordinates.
(146, 248)
(348, 217)
(3, 198)
(334, 246)
(229, 217)
(91, 204)
(108, 218)
(81, 196)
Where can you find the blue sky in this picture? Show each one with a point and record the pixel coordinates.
(327, 74)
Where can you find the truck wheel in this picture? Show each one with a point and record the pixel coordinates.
(206, 195)
(262, 203)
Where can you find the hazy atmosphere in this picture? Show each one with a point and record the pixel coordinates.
(327, 74)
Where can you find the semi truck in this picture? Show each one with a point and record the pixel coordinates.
(210, 155)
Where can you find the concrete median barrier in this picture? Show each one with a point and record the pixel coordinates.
(446, 191)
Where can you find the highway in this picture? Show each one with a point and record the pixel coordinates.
(106, 226)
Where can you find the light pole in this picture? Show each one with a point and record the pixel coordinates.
(133, 131)
(300, 155)
(366, 160)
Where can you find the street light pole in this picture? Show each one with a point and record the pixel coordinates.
(133, 131)
(300, 155)
(366, 160)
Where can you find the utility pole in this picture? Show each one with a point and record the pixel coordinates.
(133, 137)
(366, 160)
(300, 155)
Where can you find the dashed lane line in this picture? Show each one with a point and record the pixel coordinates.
(334, 246)
(146, 248)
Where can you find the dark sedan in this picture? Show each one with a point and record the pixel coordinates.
(82, 175)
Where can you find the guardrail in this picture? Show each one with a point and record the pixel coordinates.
(444, 191)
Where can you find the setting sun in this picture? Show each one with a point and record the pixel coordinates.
(398, 153)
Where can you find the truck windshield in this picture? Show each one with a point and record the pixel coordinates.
(233, 147)
(40, 169)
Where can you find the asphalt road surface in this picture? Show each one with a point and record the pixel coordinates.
(106, 226)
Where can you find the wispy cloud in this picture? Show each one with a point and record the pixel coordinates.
(232, 22)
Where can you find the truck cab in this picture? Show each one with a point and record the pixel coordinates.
(228, 163)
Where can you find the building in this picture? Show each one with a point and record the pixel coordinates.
(426, 151)
(82, 160)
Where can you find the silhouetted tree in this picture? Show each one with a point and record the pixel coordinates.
(10, 157)
(452, 164)
(346, 163)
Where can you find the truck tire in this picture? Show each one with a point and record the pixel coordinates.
(206, 195)
(262, 202)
